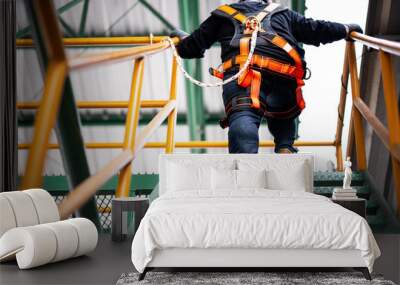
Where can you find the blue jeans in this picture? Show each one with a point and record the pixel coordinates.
(279, 95)
(243, 132)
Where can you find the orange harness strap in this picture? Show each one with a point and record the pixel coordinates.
(283, 44)
(233, 13)
(263, 62)
(250, 77)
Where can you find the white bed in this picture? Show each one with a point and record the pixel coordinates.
(201, 219)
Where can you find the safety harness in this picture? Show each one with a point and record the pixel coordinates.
(251, 78)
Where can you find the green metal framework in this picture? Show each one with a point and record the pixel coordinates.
(142, 184)
(190, 20)
(300, 7)
(26, 119)
(158, 15)
(26, 30)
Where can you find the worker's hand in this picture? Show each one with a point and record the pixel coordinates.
(178, 33)
(352, 28)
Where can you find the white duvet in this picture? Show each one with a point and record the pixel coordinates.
(250, 219)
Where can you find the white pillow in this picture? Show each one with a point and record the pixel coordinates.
(251, 179)
(293, 179)
(284, 172)
(223, 179)
(183, 177)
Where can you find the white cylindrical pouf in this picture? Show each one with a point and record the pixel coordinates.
(45, 205)
(7, 217)
(67, 239)
(87, 235)
(23, 208)
(35, 245)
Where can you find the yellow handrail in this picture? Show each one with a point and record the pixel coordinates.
(187, 144)
(129, 53)
(99, 104)
(389, 136)
(356, 115)
(99, 41)
(132, 122)
(378, 44)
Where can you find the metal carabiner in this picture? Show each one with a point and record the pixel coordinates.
(307, 74)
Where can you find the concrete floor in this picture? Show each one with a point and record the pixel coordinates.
(103, 266)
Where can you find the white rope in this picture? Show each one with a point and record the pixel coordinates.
(218, 84)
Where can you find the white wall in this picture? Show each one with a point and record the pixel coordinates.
(318, 121)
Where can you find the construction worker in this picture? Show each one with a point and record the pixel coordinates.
(271, 87)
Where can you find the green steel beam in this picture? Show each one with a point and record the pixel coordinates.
(198, 90)
(26, 119)
(300, 7)
(67, 127)
(189, 21)
(140, 183)
(84, 14)
(154, 11)
(69, 31)
(25, 31)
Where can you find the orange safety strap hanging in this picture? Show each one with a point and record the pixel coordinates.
(255, 89)
(250, 78)
(245, 79)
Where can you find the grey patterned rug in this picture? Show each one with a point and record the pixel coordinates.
(244, 278)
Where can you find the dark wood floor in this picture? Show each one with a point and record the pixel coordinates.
(103, 266)
(106, 264)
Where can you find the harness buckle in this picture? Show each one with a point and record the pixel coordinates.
(251, 23)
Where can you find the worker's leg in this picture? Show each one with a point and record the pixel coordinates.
(243, 132)
(284, 133)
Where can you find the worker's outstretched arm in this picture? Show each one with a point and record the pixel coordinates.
(314, 32)
(200, 40)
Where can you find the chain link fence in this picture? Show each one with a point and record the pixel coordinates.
(103, 203)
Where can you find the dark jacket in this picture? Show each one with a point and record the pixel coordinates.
(290, 25)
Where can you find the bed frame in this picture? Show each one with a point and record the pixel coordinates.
(249, 259)
(246, 259)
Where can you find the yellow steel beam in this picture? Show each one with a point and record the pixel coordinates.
(190, 144)
(53, 89)
(44, 122)
(350, 139)
(379, 128)
(357, 120)
(100, 104)
(129, 53)
(100, 41)
(373, 42)
(393, 116)
(132, 121)
(170, 144)
(341, 110)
